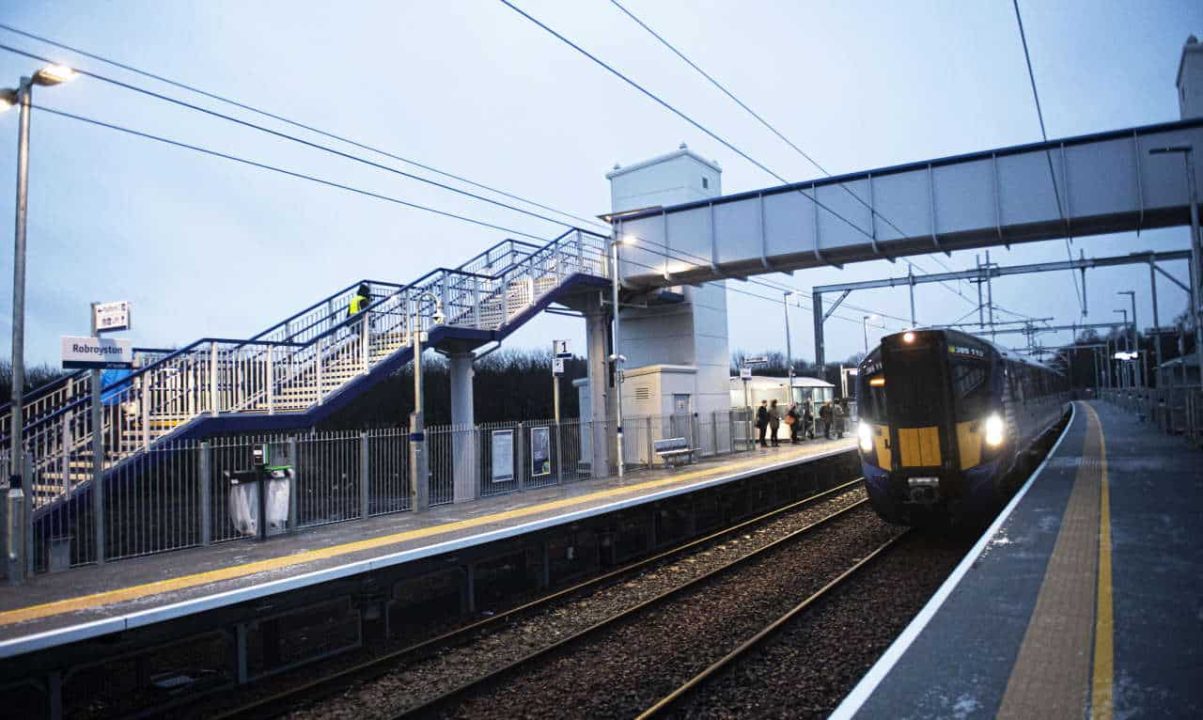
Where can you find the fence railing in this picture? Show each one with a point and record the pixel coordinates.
(179, 493)
(1177, 410)
(290, 367)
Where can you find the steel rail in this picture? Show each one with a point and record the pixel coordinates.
(441, 701)
(668, 702)
(373, 667)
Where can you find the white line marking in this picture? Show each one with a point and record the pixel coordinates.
(852, 702)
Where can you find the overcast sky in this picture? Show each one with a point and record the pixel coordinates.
(204, 247)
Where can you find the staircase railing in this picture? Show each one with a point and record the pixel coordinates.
(322, 352)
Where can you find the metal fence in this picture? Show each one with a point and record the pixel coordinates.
(1176, 410)
(181, 494)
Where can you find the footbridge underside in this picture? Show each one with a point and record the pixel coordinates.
(1088, 185)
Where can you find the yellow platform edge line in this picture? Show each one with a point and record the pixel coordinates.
(183, 582)
(1103, 677)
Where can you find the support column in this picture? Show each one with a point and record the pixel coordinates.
(463, 420)
(820, 350)
(594, 418)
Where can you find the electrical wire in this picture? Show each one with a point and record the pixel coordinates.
(809, 158)
(294, 123)
(291, 138)
(280, 170)
(1048, 156)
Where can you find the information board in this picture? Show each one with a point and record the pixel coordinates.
(111, 316)
(503, 455)
(540, 451)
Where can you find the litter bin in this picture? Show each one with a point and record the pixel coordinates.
(260, 491)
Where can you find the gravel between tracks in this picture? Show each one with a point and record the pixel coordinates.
(625, 668)
(410, 685)
(807, 668)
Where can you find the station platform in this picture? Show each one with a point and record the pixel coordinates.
(89, 602)
(1083, 599)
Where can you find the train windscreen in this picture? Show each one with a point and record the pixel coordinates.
(970, 378)
(915, 382)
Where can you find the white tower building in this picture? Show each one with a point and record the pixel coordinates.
(677, 357)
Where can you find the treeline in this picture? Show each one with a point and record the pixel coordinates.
(510, 384)
(35, 377)
(776, 366)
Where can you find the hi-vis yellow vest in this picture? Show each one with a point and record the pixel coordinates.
(358, 303)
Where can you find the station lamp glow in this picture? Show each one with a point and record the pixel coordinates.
(54, 74)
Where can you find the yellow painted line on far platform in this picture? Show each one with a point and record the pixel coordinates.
(1101, 696)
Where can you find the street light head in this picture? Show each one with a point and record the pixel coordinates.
(54, 74)
(8, 98)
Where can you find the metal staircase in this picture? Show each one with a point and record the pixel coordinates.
(287, 374)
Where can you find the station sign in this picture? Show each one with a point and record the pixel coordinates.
(745, 373)
(1126, 355)
(758, 360)
(559, 348)
(96, 353)
(557, 366)
(111, 316)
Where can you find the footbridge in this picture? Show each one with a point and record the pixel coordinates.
(301, 370)
(1087, 185)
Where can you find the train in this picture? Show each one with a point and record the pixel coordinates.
(944, 418)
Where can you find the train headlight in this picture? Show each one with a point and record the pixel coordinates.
(995, 430)
(864, 433)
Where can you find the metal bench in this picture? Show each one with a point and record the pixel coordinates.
(671, 450)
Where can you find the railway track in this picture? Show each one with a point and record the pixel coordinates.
(671, 701)
(278, 702)
(478, 690)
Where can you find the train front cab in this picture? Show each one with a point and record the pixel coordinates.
(931, 434)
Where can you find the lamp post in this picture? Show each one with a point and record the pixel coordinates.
(615, 358)
(1187, 152)
(419, 471)
(1123, 369)
(864, 322)
(1135, 336)
(789, 352)
(22, 98)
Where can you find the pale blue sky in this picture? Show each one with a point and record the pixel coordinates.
(205, 247)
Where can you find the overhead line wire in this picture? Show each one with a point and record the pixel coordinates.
(280, 170)
(289, 121)
(292, 138)
(779, 134)
(1048, 156)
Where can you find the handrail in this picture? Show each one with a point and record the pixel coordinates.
(321, 302)
(46, 388)
(546, 249)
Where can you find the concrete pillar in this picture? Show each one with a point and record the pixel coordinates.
(598, 410)
(463, 420)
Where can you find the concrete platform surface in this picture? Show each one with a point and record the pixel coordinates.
(1084, 599)
(90, 601)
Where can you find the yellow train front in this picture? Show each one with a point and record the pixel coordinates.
(943, 418)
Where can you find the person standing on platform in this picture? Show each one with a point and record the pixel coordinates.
(808, 421)
(774, 421)
(825, 418)
(762, 420)
(837, 417)
(793, 420)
